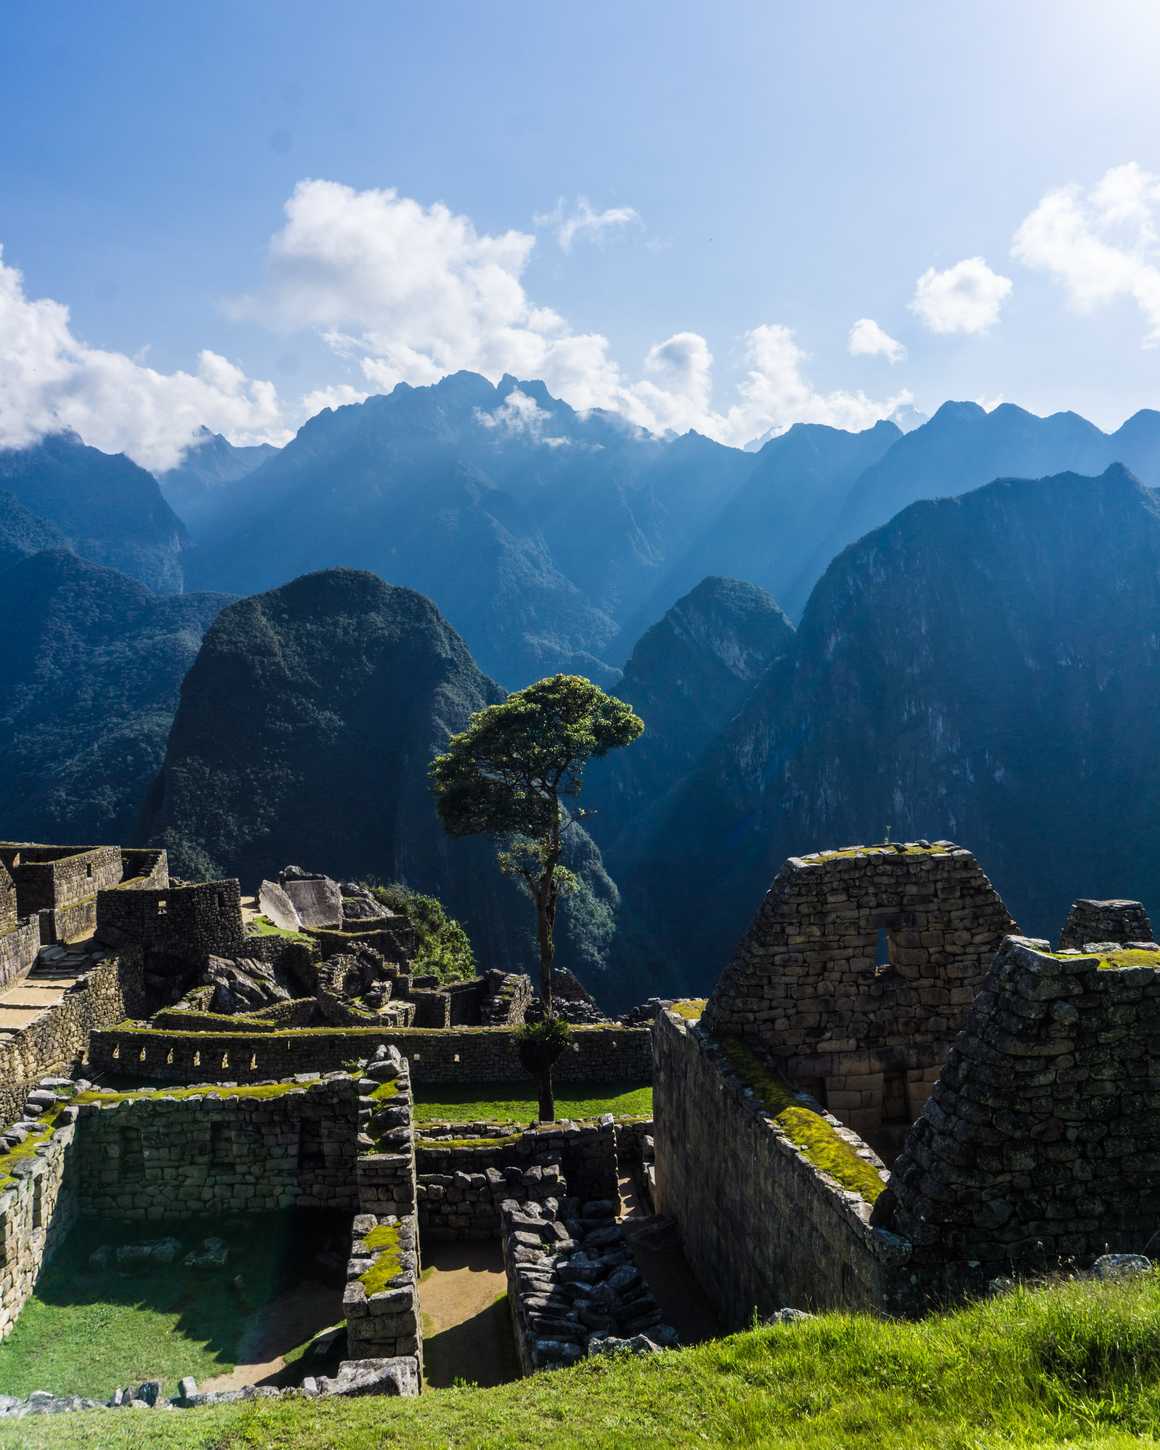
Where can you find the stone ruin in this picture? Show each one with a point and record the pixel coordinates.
(108, 965)
(882, 1011)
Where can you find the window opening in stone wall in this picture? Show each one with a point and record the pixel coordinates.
(132, 1151)
(162, 907)
(882, 948)
(89, 871)
(310, 1154)
(38, 1201)
(895, 1098)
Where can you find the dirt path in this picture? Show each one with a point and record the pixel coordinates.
(467, 1331)
(683, 1302)
(284, 1324)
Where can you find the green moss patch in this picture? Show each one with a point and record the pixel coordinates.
(263, 926)
(383, 1241)
(806, 1129)
(1113, 961)
(263, 1090)
(27, 1149)
(508, 1141)
(692, 1009)
(885, 848)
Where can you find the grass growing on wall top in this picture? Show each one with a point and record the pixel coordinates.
(508, 1141)
(517, 1102)
(383, 1241)
(805, 1129)
(263, 926)
(36, 1139)
(692, 1009)
(1113, 961)
(1075, 1366)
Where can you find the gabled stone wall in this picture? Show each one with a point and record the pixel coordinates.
(858, 972)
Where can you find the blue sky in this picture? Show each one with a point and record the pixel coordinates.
(767, 175)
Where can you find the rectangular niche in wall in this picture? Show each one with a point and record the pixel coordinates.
(221, 1145)
(310, 1152)
(132, 1151)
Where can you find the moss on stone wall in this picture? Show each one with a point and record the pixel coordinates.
(1113, 961)
(690, 1008)
(806, 1129)
(388, 1261)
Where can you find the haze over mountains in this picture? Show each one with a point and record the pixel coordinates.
(981, 667)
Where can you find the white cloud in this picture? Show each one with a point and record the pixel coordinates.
(867, 339)
(1101, 246)
(965, 298)
(410, 293)
(50, 380)
(520, 416)
(583, 221)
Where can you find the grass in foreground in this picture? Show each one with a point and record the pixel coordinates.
(1077, 1365)
(516, 1102)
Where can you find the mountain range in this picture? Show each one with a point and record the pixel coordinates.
(974, 652)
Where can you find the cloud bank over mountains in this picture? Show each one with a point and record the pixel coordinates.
(402, 291)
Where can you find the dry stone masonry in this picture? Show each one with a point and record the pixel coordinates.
(573, 1287)
(858, 972)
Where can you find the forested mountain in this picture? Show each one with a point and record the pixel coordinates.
(984, 668)
(105, 507)
(686, 678)
(92, 666)
(304, 733)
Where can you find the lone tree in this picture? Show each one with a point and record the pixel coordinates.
(507, 775)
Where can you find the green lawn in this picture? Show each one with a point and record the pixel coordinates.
(86, 1331)
(516, 1102)
(1077, 1365)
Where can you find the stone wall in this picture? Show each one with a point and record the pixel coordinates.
(48, 877)
(466, 1054)
(57, 1039)
(572, 1283)
(382, 1318)
(859, 971)
(18, 949)
(190, 922)
(35, 1217)
(386, 1160)
(9, 914)
(1101, 921)
(152, 1155)
(762, 1227)
(1041, 1140)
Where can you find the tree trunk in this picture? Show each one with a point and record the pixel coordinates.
(547, 1097)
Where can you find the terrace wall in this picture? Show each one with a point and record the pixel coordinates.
(35, 1217)
(466, 1054)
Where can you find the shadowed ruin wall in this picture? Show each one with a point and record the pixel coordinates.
(761, 1227)
(153, 1156)
(858, 972)
(190, 921)
(1041, 1140)
(35, 1217)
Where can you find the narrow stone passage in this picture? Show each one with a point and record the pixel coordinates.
(467, 1333)
(657, 1250)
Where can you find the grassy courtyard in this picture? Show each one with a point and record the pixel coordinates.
(88, 1330)
(516, 1102)
(1075, 1366)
